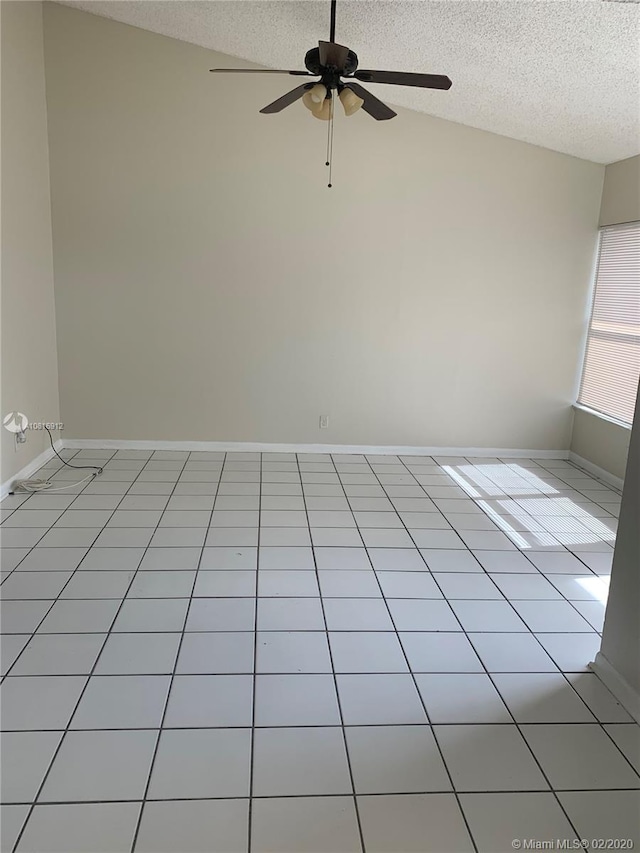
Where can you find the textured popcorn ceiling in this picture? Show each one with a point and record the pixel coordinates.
(564, 74)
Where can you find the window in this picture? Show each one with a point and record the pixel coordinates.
(612, 358)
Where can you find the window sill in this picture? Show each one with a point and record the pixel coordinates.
(579, 407)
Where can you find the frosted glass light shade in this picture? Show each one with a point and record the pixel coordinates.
(350, 101)
(324, 113)
(318, 93)
(316, 109)
(309, 104)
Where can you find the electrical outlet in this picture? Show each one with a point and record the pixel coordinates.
(324, 421)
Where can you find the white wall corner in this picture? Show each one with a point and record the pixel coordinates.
(600, 473)
(31, 468)
(626, 695)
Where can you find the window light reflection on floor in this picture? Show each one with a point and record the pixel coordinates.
(500, 520)
(597, 587)
(543, 521)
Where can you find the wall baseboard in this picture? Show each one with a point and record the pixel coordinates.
(272, 447)
(619, 686)
(600, 473)
(24, 473)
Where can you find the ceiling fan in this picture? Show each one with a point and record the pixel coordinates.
(337, 68)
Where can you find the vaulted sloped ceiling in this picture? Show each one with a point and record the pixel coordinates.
(564, 74)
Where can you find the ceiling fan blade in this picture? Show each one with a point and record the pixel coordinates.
(286, 100)
(333, 54)
(402, 78)
(372, 105)
(259, 71)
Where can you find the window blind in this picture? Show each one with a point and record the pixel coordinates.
(612, 358)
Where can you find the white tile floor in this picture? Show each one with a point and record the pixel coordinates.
(309, 654)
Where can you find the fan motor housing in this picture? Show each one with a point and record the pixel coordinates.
(312, 62)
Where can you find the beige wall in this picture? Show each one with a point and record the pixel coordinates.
(621, 634)
(29, 364)
(599, 441)
(621, 192)
(209, 286)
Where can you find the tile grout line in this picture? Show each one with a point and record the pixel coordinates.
(417, 689)
(175, 665)
(617, 789)
(333, 671)
(629, 724)
(255, 667)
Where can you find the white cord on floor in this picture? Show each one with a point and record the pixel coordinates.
(45, 485)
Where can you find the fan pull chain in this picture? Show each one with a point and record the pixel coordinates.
(330, 142)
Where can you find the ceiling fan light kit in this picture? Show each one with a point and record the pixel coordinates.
(337, 67)
(318, 93)
(350, 101)
(322, 110)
